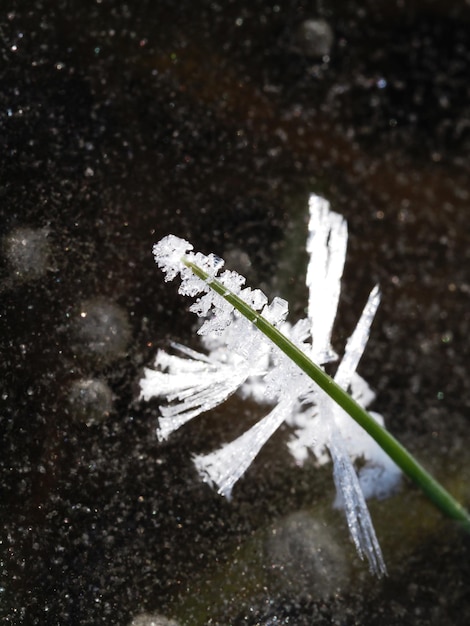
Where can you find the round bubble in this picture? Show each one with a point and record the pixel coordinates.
(314, 38)
(90, 400)
(101, 331)
(27, 251)
(304, 556)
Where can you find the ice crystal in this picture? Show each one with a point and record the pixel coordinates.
(241, 359)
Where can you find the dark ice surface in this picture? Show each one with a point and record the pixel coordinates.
(121, 122)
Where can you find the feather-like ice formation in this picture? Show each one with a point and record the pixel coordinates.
(379, 475)
(228, 464)
(284, 383)
(339, 427)
(240, 358)
(192, 384)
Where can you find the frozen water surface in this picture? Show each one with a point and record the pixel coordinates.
(123, 122)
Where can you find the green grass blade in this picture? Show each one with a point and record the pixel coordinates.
(406, 461)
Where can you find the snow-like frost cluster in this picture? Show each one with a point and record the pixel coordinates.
(241, 359)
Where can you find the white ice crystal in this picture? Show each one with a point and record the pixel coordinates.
(326, 245)
(197, 384)
(240, 358)
(225, 466)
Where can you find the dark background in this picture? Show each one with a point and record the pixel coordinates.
(122, 122)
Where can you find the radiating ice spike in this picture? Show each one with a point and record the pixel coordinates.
(326, 245)
(226, 466)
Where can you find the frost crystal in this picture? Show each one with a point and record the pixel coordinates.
(241, 359)
(225, 466)
(326, 245)
(197, 384)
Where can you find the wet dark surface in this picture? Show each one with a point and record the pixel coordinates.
(123, 122)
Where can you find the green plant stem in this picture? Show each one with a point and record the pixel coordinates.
(400, 455)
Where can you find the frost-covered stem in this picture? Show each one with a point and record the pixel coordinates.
(407, 463)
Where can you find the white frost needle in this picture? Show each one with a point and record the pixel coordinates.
(326, 245)
(351, 498)
(241, 358)
(225, 466)
(192, 385)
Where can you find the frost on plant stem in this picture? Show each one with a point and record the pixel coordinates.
(239, 358)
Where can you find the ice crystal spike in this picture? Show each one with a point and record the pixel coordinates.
(351, 498)
(191, 385)
(240, 358)
(326, 245)
(357, 342)
(225, 466)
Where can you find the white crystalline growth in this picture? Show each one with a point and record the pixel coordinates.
(168, 254)
(240, 358)
(340, 429)
(353, 502)
(194, 383)
(379, 476)
(224, 467)
(284, 383)
(191, 385)
(326, 246)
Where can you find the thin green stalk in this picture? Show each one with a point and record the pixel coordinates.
(406, 461)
